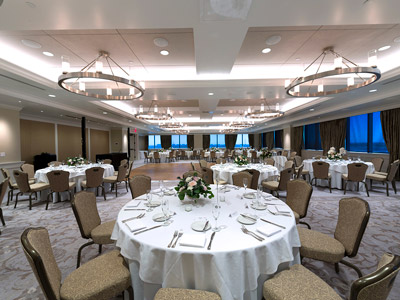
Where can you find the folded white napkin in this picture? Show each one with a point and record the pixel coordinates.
(268, 229)
(135, 225)
(193, 240)
(282, 209)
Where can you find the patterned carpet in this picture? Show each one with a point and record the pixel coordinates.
(18, 282)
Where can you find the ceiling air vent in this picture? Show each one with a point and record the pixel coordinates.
(20, 81)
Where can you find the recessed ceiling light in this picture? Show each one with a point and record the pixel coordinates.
(232, 100)
(48, 53)
(384, 48)
(130, 121)
(52, 96)
(312, 109)
(266, 50)
(397, 40)
(31, 44)
(164, 52)
(41, 111)
(372, 91)
(190, 115)
(160, 42)
(19, 101)
(210, 94)
(273, 40)
(104, 112)
(61, 115)
(298, 58)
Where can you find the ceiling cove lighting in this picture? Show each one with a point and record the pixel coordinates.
(311, 86)
(98, 84)
(265, 111)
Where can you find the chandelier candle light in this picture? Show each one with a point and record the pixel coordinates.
(264, 113)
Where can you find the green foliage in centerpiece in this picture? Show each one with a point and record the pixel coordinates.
(241, 160)
(74, 161)
(333, 155)
(265, 153)
(193, 186)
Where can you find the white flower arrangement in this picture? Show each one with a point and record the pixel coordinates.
(241, 160)
(193, 186)
(74, 161)
(332, 154)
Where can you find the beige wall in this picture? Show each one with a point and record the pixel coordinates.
(99, 143)
(69, 141)
(36, 137)
(116, 140)
(9, 135)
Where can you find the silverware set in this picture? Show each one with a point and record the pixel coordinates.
(133, 218)
(211, 240)
(180, 233)
(266, 221)
(251, 233)
(279, 213)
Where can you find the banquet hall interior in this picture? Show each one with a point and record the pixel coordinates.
(211, 149)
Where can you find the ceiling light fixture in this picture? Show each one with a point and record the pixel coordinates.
(241, 123)
(372, 91)
(273, 40)
(164, 52)
(265, 112)
(266, 50)
(160, 42)
(52, 96)
(364, 75)
(31, 44)
(384, 48)
(397, 40)
(126, 89)
(154, 115)
(210, 94)
(48, 53)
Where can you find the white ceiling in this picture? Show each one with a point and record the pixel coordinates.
(209, 52)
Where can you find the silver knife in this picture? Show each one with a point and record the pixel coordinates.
(205, 226)
(134, 209)
(283, 227)
(147, 229)
(211, 240)
(248, 217)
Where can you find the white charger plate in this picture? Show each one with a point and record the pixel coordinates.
(199, 226)
(245, 221)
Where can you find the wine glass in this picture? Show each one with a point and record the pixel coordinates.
(164, 206)
(215, 212)
(245, 182)
(161, 185)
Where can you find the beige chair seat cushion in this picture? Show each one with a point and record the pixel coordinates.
(381, 173)
(185, 294)
(101, 278)
(110, 179)
(319, 246)
(345, 176)
(71, 185)
(102, 233)
(298, 283)
(271, 185)
(377, 177)
(83, 183)
(296, 217)
(306, 172)
(14, 185)
(40, 186)
(221, 182)
(32, 181)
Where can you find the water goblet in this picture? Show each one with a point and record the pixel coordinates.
(165, 206)
(216, 208)
(245, 182)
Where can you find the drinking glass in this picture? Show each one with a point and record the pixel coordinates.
(161, 185)
(165, 206)
(215, 212)
(245, 182)
(148, 196)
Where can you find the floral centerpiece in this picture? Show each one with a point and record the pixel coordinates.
(160, 150)
(74, 161)
(193, 186)
(333, 155)
(241, 160)
(265, 153)
(215, 149)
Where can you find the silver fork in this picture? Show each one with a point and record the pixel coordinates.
(133, 218)
(245, 230)
(175, 235)
(179, 236)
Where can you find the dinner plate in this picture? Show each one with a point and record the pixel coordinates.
(154, 203)
(258, 206)
(245, 221)
(249, 195)
(160, 217)
(169, 192)
(199, 226)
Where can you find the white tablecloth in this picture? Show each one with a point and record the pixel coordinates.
(189, 153)
(163, 155)
(279, 161)
(217, 154)
(225, 171)
(336, 168)
(141, 154)
(235, 267)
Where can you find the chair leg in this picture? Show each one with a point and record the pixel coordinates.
(2, 217)
(16, 199)
(30, 201)
(126, 185)
(370, 184)
(116, 189)
(337, 267)
(79, 252)
(305, 223)
(100, 248)
(8, 196)
(387, 188)
(394, 186)
(330, 186)
(345, 187)
(104, 192)
(346, 263)
(48, 196)
(366, 187)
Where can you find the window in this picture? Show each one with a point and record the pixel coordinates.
(179, 141)
(154, 142)
(312, 138)
(364, 133)
(217, 140)
(242, 141)
(278, 134)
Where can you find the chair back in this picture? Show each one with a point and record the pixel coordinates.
(122, 172)
(107, 161)
(28, 168)
(22, 180)
(254, 155)
(195, 153)
(37, 248)
(377, 162)
(284, 153)
(54, 163)
(237, 178)
(212, 154)
(203, 163)
(320, 169)
(139, 185)
(156, 155)
(292, 154)
(207, 174)
(377, 285)
(130, 166)
(86, 214)
(193, 167)
(146, 155)
(6, 175)
(289, 164)
(298, 196)
(221, 161)
(171, 154)
(202, 154)
(58, 180)
(226, 154)
(394, 166)
(299, 171)
(352, 221)
(298, 160)
(255, 178)
(94, 177)
(3, 189)
(269, 161)
(124, 161)
(192, 173)
(356, 171)
(285, 176)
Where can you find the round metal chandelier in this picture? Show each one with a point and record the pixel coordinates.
(264, 113)
(78, 82)
(241, 123)
(171, 125)
(154, 115)
(364, 75)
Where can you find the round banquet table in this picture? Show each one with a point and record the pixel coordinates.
(235, 267)
(280, 161)
(218, 154)
(225, 171)
(163, 155)
(336, 169)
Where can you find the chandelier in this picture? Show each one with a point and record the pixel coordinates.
(98, 85)
(154, 115)
(354, 76)
(241, 123)
(170, 125)
(264, 113)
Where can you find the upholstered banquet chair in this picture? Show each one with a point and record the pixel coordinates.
(298, 198)
(139, 185)
(101, 278)
(386, 177)
(269, 161)
(281, 185)
(24, 187)
(146, 157)
(185, 294)
(89, 222)
(285, 153)
(203, 163)
(297, 161)
(207, 175)
(11, 185)
(352, 221)
(301, 173)
(30, 170)
(3, 189)
(377, 162)
(59, 182)
(171, 156)
(192, 173)
(221, 161)
(121, 177)
(54, 163)
(321, 171)
(254, 158)
(356, 173)
(289, 164)
(237, 178)
(123, 162)
(254, 181)
(298, 283)
(107, 161)
(213, 156)
(94, 179)
(292, 155)
(156, 157)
